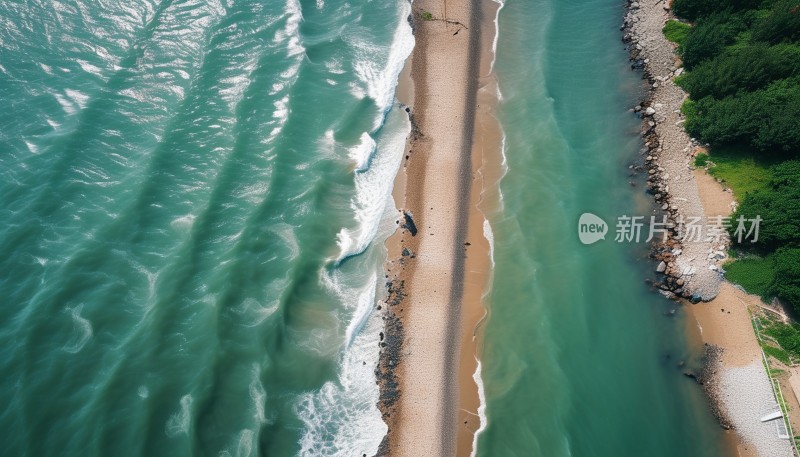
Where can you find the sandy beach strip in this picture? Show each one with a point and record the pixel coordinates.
(739, 385)
(437, 277)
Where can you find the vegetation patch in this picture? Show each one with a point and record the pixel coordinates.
(786, 335)
(742, 61)
(755, 275)
(777, 353)
(676, 31)
(739, 170)
(701, 160)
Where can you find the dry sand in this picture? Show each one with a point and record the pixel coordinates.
(445, 270)
(742, 389)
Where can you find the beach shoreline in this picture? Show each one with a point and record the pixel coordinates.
(734, 378)
(438, 261)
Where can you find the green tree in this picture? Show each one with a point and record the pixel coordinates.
(765, 119)
(777, 205)
(782, 23)
(742, 68)
(787, 276)
(695, 9)
(710, 36)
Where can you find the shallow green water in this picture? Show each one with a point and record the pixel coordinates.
(579, 358)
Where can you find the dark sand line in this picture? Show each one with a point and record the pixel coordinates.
(451, 385)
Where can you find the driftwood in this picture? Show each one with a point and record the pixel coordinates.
(430, 17)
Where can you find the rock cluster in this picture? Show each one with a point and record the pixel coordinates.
(690, 268)
(391, 344)
(709, 379)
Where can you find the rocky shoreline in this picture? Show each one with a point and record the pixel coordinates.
(686, 269)
(390, 353)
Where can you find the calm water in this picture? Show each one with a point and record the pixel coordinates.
(194, 197)
(579, 359)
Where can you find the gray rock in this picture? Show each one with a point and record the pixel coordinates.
(661, 267)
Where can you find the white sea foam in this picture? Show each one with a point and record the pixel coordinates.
(341, 418)
(481, 407)
(281, 109)
(254, 312)
(258, 395)
(82, 331)
(489, 235)
(183, 223)
(291, 31)
(358, 301)
(89, 68)
(180, 421)
(67, 105)
(378, 77)
(496, 34)
(287, 234)
(78, 97)
(246, 443)
(335, 67)
(374, 188)
(31, 147)
(362, 152)
(503, 165)
(277, 87)
(143, 392)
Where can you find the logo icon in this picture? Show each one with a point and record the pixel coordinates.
(591, 228)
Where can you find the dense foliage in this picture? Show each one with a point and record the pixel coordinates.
(778, 237)
(766, 119)
(780, 24)
(743, 78)
(745, 73)
(787, 276)
(779, 207)
(694, 9)
(710, 36)
(742, 68)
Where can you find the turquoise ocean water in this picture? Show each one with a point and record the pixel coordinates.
(579, 358)
(194, 197)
